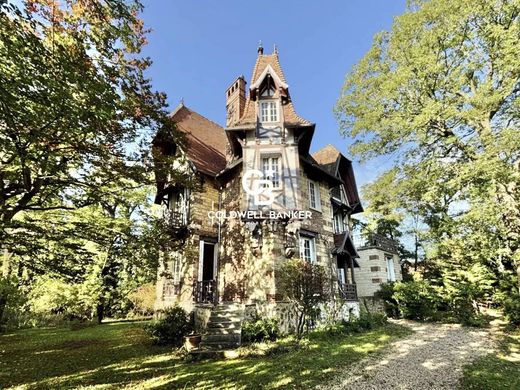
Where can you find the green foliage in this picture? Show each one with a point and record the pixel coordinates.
(260, 329)
(11, 303)
(143, 299)
(365, 322)
(55, 297)
(386, 294)
(170, 329)
(439, 94)
(303, 284)
(417, 300)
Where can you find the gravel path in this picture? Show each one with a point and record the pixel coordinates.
(431, 358)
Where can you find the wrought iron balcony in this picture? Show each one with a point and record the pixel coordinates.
(175, 219)
(348, 291)
(205, 291)
(374, 240)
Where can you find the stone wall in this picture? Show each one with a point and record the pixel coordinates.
(373, 270)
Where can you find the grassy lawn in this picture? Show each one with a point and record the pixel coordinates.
(497, 371)
(116, 355)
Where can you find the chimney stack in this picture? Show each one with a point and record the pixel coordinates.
(235, 101)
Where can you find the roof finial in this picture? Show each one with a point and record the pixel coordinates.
(182, 101)
(260, 48)
(275, 49)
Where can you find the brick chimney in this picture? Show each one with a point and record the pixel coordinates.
(235, 101)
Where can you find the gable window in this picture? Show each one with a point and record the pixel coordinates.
(314, 195)
(390, 269)
(271, 170)
(178, 205)
(308, 249)
(269, 111)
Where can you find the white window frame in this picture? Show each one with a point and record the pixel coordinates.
(271, 171)
(201, 258)
(390, 268)
(314, 194)
(335, 219)
(269, 112)
(308, 244)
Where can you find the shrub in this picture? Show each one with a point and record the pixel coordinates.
(365, 321)
(171, 328)
(260, 329)
(512, 308)
(386, 294)
(417, 300)
(143, 299)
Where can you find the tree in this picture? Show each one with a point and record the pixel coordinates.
(440, 92)
(303, 284)
(76, 115)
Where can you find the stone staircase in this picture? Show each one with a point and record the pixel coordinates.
(224, 327)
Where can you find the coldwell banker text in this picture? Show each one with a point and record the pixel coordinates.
(258, 214)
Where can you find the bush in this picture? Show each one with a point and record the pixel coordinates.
(260, 330)
(171, 328)
(143, 299)
(386, 294)
(365, 321)
(512, 308)
(417, 300)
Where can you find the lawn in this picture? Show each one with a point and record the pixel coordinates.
(498, 371)
(119, 354)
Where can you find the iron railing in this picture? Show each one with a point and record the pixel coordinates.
(348, 291)
(205, 291)
(175, 219)
(369, 240)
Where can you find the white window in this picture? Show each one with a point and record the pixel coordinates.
(314, 195)
(271, 170)
(339, 223)
(178, 204)
(308, 249)
(390, 269)
(269, 111)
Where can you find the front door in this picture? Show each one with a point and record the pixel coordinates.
(208, 254)
(206, 287)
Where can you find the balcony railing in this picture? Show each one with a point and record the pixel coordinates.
(369, 240)
(205, 291)
(175, 219)
(348, 291)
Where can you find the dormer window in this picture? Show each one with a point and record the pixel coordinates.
(269, 111)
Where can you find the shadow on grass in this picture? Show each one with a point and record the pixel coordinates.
(120, 354)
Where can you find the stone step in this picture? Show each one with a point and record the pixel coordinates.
(216, 317)
(232, 331)
(215, 345)
(231, 338)
(225, 325)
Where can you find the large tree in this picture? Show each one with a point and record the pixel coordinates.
(74, 103)
(77, 113)
(440, 93)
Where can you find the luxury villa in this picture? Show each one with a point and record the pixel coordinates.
(261, 198)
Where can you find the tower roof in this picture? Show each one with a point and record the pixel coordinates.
(269, 64)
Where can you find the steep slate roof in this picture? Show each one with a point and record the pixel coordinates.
(207, 141)
(248, 118)
(335, 163)
(327, 157)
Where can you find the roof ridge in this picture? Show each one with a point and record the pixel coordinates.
(182, 105)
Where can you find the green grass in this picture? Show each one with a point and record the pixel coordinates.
(497, 371)
(119, 355)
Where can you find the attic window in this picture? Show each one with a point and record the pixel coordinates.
(269, 111)
(268, 87)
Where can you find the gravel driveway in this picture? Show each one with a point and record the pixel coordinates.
(431, 358)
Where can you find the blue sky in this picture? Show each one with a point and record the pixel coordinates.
(199, 47)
